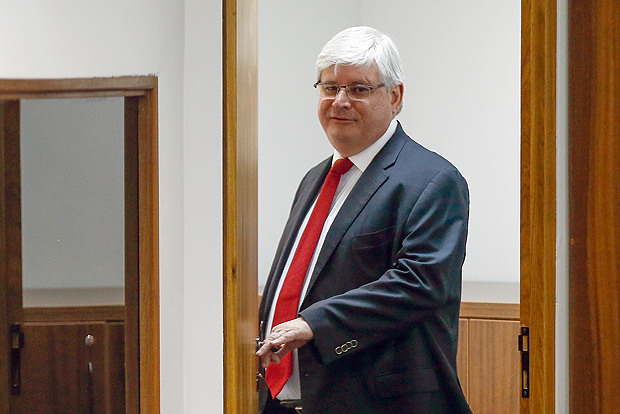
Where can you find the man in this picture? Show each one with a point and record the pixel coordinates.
(360, 310)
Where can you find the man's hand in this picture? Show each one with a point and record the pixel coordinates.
(283, 339)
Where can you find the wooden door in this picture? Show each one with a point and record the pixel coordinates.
(538, 219)
(47, 364)
(54, 366)
(594, 206)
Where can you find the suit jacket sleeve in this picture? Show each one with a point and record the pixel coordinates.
(423, 281)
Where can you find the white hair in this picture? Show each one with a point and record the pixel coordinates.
(363, 47)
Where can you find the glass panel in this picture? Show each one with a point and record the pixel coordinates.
(72, 155)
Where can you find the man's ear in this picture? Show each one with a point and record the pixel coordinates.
(396, 95)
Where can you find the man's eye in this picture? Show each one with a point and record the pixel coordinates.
(331, 89)
(359, 89)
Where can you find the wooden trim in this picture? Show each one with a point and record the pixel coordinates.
(67, 95)
(148, 199)
(64, 297)
(480, 310)
(74, 314)
(81, 87)
(13, 215)
(538, 178)
(132, 257)
(240, 204)
(9, 121)
(11, 198)
(4, 339)
(594, 206)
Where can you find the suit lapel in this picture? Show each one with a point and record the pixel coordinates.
(371, 180)
(303, 202)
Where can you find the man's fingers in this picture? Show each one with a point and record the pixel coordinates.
(274, 342)
(267, 347)
(283, 339)
(270, 348)
(274, 357)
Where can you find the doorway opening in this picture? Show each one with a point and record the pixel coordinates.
(101, 356)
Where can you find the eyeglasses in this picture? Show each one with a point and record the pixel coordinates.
(354, 92)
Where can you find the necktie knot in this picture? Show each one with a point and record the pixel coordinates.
(341, 166)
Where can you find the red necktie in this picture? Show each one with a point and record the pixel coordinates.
(288, 301)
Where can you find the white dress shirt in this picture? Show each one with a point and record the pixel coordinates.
(361, 160)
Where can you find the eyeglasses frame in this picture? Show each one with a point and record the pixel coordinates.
(346, 91)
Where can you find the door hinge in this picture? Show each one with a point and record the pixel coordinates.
(524, 348)
(17, 343)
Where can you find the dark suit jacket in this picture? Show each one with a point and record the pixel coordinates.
(384, 297)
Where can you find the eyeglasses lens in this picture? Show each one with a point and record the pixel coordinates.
(355, 92)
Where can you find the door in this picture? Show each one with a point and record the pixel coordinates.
(67, 207)
(74, 342)
(537, 204)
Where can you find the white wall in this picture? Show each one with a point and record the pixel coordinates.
(71, 38)
(462, 94)
(203, 334)
(290, 138)
(561, 315)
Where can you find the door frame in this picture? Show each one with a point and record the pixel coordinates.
(240, 186)
(140, 93)
(538, 201)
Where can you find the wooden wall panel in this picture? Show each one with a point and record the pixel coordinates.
(55, 369)
(488, 360)
(494, 366)
(462, 357)
(114, 366)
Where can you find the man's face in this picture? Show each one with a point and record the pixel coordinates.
(353, 125)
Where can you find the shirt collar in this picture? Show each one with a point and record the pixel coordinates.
(362, 159)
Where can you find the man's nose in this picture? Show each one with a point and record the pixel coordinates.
(342, 99)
